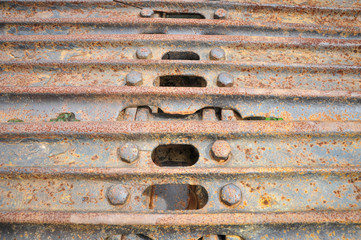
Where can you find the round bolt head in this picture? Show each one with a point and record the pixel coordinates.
(220, 13)
(128, 152)
(146, 12)
(231, 194)
(134, 79)
(217, 54)
(117, 195)
(221, 150)
(144, 53)
(225, 79)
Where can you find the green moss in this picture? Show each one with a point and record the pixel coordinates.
(65, 117)
(15, 120)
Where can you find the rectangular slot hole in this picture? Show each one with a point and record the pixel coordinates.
(182, 81)
(181, 15)
(187, 55)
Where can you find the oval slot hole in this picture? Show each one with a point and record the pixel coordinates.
(182, 15)
(176, 197)
(175, 155)
(182, 81)
(180, 56)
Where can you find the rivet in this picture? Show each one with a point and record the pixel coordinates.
(230, 194)
(117, 195)
(146, 12)
(144, 53)
(221, 150)
(220, 13)
(128, 152)
(225, 79)
(217, 54)
(134, 79)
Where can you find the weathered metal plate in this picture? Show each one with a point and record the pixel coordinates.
(61, 73)
(314, 170)
(105, 104)
(323, 19)
(152, 88)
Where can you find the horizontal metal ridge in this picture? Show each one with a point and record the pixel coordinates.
(180, 91)
(245, 3)
(272, 41)
(174, 219)
(224, 128)
(117, 173)
(328, 5)
(203, 24)
(167, 63)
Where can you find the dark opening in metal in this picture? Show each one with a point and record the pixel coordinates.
(180, 56)
(176, 197)
(175, 155)
(182, 81)
(182, 15)
(221, 237)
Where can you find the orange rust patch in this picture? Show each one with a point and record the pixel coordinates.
(266, 201)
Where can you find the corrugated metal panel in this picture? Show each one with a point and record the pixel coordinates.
(180, 119)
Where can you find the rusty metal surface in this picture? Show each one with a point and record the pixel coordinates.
(106, 103)
(180, 119)
(323, 19)
(254, 232)
(317, 176)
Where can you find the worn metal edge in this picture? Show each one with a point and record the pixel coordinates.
(111, 173)
(226, 39)
(204, 23)
(205, 2)
(258, 5)
(180, 92)
(176, 219)
(196, 128)
(175, 63)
